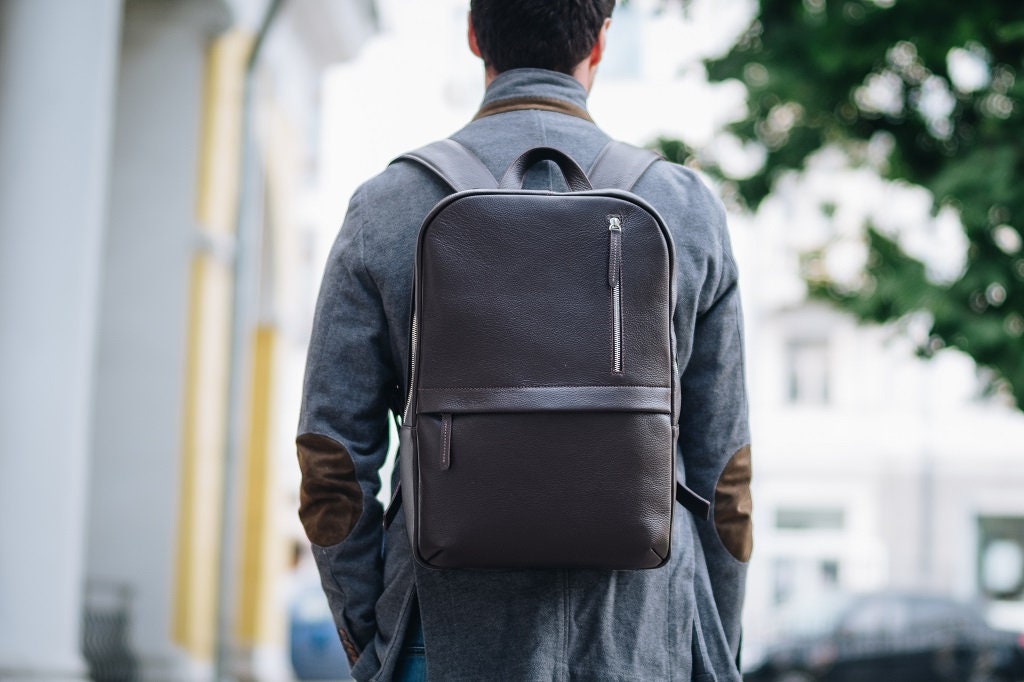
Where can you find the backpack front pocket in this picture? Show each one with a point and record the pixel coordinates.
(544, 488)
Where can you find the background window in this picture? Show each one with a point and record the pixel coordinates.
(807, 375)
(1001, 556)
(810, 518)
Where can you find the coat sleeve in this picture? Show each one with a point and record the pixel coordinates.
(714, 434)
(343, 435)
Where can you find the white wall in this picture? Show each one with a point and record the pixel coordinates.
(57, 75)
(138, 399)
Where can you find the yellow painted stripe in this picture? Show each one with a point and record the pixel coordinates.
(218, 176)
(185, 557)
(207, 343)
(205, 419)
(255, 586)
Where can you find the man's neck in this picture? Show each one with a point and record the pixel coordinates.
(583, 73)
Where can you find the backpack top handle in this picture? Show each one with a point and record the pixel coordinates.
(574, 176)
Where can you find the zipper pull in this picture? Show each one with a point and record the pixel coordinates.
(614, 251)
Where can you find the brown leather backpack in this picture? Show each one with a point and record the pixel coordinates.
(543, 401)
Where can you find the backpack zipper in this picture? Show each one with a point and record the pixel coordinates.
(414, 335)
(446, 441)
(615, 282)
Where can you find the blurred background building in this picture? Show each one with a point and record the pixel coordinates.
(123, 127)
(875, 469)
(136, 143)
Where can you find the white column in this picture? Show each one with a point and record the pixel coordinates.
(57, 74)
(134, 482)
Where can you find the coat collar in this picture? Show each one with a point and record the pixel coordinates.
(536, 83)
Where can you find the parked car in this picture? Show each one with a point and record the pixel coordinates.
(889, 637)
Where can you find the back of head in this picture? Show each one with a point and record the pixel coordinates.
(543, 34)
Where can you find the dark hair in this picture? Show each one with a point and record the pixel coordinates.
(544, 34)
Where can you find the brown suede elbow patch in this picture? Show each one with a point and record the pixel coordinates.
(734, 506)
(330, 499)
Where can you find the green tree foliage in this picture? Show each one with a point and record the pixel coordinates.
(843, 73)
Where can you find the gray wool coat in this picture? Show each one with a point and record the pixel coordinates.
(679, 622)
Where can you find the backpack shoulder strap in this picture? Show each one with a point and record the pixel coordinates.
(453, 163)
(620, 165)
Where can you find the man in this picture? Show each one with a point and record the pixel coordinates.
(678, 622)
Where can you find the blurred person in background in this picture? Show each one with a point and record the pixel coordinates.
(400, 621)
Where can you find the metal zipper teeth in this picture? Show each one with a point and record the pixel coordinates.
(617, 328)
(615, 281)
(446, 441)
(414, 335)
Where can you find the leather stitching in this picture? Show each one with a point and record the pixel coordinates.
(519, 388)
